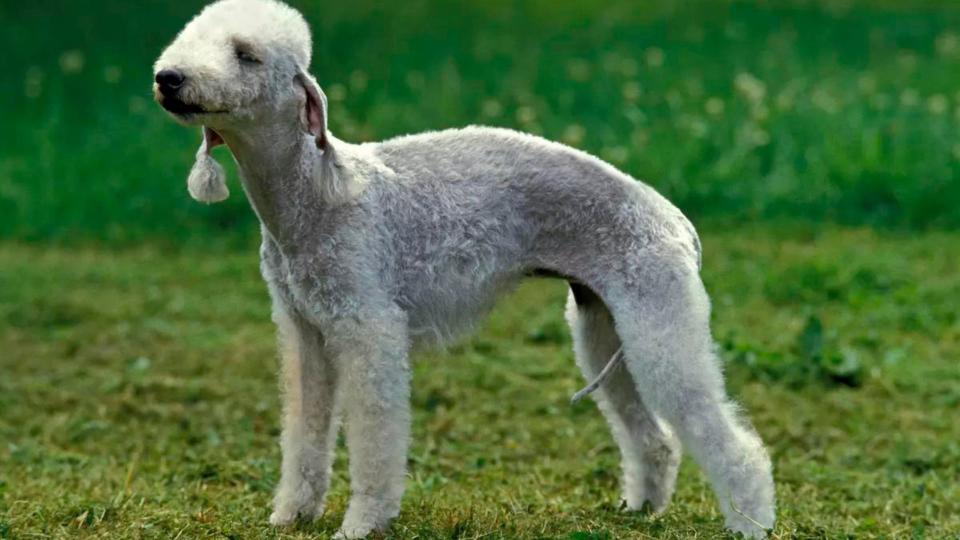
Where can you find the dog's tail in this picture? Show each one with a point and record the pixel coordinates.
(614, 361)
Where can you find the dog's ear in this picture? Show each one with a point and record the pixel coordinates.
(207, 182)
(314, 113)
(335, 181)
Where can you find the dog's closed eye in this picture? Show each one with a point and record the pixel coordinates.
(245, 56)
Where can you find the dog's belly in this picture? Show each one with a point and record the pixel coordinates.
(443, 310)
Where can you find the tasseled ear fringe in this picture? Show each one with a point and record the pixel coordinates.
(207, 182)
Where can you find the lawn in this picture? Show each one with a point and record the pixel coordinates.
(139, 398)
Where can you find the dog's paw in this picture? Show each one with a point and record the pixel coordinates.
(280, 518)
(365, 516)
(750, 527)
(353, 532)
(287, 514)
(749, 531)
(644, 508)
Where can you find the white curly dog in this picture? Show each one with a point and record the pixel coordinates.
(371, 249)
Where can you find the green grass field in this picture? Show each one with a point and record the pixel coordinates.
(139, 399)
(815, 143)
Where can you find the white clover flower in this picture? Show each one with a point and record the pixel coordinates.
(697, 126)
(616, 154)
(760, 112)
(574, 134)
(714, 106)
(947, 44)
(907, 59)
(751, 87)
(938, 104)
(909, 98)
(752, 135)
(825, 100)
(631, 90)
(526, 115)
(760, 137)
(654, 57)
(336, 92)
(72, 61)
(491, 108)
(785, 100)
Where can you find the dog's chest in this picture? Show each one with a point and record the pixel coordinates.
(326, 280)
(307, 285)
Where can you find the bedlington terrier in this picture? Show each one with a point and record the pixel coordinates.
(371, 249)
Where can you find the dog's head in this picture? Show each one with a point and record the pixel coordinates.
(237, 64)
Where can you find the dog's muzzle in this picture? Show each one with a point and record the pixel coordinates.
(169, 82)
(176, 106)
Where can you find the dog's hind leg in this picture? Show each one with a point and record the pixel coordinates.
(650, 453)
(309, 419)
(662, 315)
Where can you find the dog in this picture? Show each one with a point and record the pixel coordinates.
(372, 249)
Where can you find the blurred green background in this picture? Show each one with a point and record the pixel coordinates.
(843, 111)
(813, 142)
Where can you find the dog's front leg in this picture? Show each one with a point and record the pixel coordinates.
(310, 381)
(372, 356)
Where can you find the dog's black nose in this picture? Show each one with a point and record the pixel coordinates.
(170, 80)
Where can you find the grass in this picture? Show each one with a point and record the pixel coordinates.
(840, 110)
(138, 398)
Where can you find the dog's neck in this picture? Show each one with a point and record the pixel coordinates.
(278, 165)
